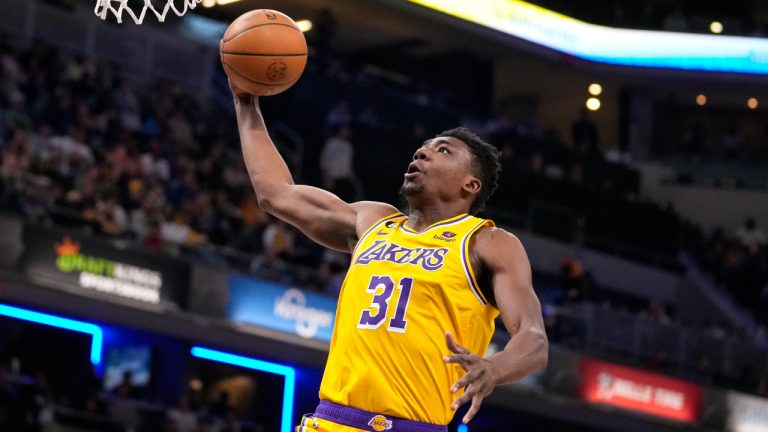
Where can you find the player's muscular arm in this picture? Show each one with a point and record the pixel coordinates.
(502, 255)
(321, 215)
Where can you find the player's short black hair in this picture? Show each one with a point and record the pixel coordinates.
(486, 165)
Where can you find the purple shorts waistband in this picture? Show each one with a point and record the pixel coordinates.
(369, 421)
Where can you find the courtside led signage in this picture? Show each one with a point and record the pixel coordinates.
(640, 391)
(611, 45)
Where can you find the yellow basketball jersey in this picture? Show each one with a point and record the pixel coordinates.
(403, 291)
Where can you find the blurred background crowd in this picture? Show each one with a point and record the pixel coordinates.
(84, 146)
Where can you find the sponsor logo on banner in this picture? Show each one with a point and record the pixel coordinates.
(639, 391)
(108, 276)
(277, 307)
(747, 413)
(84, 264)
(292, 306)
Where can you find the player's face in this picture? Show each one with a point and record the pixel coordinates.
(441, 167)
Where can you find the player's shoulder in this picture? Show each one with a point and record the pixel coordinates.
(368, 213)
(491, 240)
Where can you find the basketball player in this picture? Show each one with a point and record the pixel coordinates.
(417, 307)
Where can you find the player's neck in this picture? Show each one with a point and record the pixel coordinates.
(420, 219)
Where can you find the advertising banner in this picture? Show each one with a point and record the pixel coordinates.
(73, 261)
(636, 390)
(273, 306)
(747, 413)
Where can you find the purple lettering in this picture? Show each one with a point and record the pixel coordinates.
(371, 253)
(407, 255)
(425, 253)
(435, 261)
(380, 250)
(393, 249)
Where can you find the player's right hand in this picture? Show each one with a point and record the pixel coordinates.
(241, 96)
(479, 382)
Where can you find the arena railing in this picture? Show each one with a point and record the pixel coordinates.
(669, 347)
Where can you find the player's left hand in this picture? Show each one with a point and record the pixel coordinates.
(479, 382)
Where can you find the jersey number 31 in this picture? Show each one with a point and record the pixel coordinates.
(373, 317)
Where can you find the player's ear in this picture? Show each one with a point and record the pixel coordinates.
(473, 185)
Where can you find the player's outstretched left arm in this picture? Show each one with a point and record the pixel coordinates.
(502, 254)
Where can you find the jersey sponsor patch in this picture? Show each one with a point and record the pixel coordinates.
(429, 259)
(446, 236)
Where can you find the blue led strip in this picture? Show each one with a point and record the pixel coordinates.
(286, 371)
(97, 335)
(619, 46)
(462, 428)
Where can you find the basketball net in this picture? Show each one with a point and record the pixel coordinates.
(103, 7)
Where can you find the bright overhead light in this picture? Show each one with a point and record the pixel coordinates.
(593, 104)
(701, 100)
(752, 103)
(716, 27)
(223, 2)
(595, 89)
(209, 3)
(305, 25)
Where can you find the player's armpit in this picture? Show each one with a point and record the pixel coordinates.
(503, 256)
(323, 216)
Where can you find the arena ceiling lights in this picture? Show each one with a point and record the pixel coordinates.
(617, 46)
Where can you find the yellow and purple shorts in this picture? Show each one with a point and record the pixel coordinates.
(331, 417)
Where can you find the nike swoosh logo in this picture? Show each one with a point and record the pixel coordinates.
(381, 232)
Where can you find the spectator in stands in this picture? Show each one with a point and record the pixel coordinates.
(584, 133)
(676, 21)
(658, 311)
(153, 238)
(370, 118)
(278, 240)
(339, 115)
(154, 165)
(109, 215)
(33, 201)
(16, 156)
(40, 139)
(733, 140)
(128, 106)
(8, 402)
(222, 405)
(750, 235)
(336, 165)
(182, 417)
(44, 410)
(331, 272)
(124, 158)
(17, 113)
(126, 389)
(180, 129)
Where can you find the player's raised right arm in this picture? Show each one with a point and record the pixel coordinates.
(319, 214)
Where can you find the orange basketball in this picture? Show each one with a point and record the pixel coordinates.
(263, 52)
